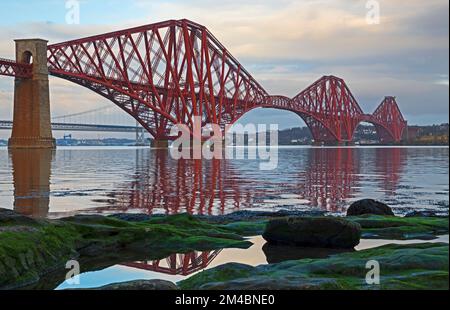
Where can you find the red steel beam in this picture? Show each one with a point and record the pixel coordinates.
(12, 68)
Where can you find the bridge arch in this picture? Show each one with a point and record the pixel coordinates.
(319, 130)
(388, 121)
(385, 134)
(379, 129)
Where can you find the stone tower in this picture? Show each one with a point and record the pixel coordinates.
(32, 123)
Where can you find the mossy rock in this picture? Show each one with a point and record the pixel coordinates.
(11, 218)
(251, 228)
(369, 206)
(324, 232)
(417, 266)
(373, 227)
(401, 228)
(138, 285)
(30, 248)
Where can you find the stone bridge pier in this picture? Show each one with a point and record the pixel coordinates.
(32, 122)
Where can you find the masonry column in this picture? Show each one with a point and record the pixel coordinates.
(31, 123)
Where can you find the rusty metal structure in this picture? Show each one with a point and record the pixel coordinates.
(171, 72)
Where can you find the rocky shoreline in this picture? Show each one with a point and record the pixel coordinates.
(31, 249)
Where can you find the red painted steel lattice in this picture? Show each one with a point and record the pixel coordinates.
(389, 121)
(172, 72)
(162, 74)
(12, 68)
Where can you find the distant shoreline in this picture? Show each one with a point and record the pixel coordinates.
(295, 146)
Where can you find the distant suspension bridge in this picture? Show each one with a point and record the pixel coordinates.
(103, 119)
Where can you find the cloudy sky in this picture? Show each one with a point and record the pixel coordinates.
(285, 44)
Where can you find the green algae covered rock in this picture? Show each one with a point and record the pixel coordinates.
(372, 227)
(250, 228)
(32, 248)
(323, 232)
(417, 266)
(401, 228)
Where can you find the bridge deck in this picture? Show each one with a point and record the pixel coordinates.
(80, 127)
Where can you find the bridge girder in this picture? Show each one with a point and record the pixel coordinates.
(15, 69)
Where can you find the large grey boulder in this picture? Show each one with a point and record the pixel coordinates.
(322, 232)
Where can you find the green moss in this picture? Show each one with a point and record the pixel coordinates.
(27, 252)
(390, 227)
(31, 248)
(221, 273)
(246, 228)
(415, 266)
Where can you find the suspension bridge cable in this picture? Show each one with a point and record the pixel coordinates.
(94, 117)
(83, 113)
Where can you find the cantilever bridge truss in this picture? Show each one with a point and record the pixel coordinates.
(176, 72)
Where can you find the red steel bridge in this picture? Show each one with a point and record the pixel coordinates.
(171, 72)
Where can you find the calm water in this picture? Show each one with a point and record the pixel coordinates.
(182, 266)
(140, 180)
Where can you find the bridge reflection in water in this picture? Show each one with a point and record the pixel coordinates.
(178, 264)
(324, 178)
(193, 186)
(390, 163)
(31, 178)
(331, 177)
(328, 178)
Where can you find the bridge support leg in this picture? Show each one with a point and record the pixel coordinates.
(31, 123)
(160, 144)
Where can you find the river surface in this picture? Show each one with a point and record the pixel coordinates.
(68, 181)
(139, 180)
(179, 267)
